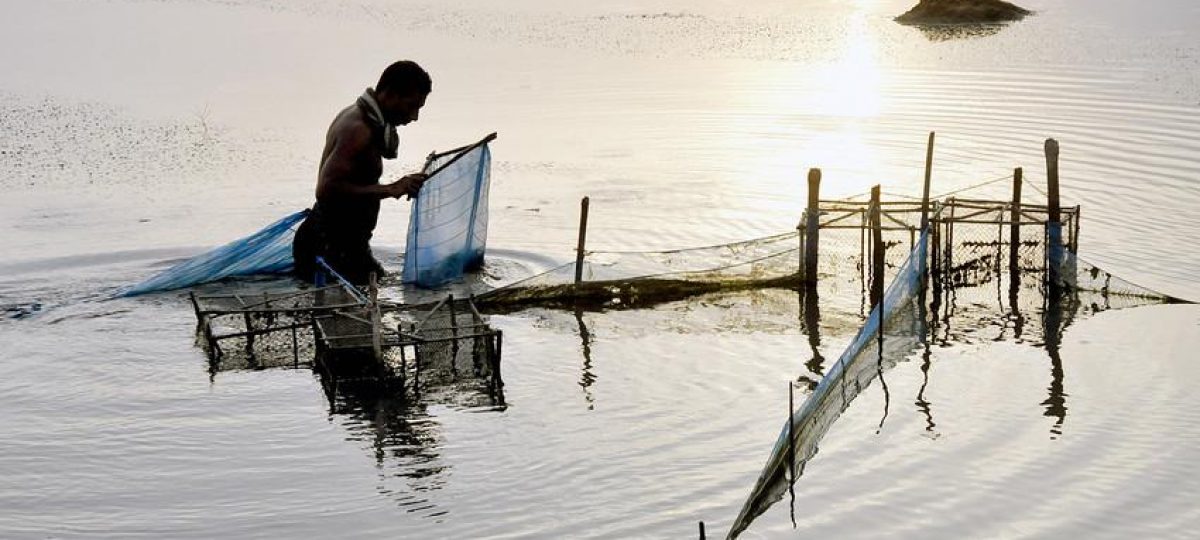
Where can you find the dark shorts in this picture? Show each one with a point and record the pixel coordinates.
(345, 249)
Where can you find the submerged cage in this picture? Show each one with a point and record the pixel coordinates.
(265, 328)
(449, 345)
(453, 344)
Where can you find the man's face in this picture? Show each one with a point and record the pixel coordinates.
(401, 109)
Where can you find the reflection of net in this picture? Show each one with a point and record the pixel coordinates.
(858, 366)
(1090, 278)
(615, 277)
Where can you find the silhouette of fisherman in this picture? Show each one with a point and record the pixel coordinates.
(340, 225)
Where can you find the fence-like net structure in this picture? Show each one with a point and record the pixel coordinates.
(447, 230)
(976, 259)
(890, 332)
(624, 278)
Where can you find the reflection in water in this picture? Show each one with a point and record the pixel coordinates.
(1058, 315)
(977, 307)
(586, 378)
(947, 32)
(929, 316)
(810, 325)
(399, 433)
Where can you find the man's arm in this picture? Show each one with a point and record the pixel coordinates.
(350, 145)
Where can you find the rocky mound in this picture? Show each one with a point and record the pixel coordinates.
(962, 12)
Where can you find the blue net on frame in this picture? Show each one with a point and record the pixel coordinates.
(862, 362)
(268, 251)
(447, 230)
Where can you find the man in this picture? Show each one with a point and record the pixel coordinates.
(340, 225)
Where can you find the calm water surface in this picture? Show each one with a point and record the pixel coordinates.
(136, 133)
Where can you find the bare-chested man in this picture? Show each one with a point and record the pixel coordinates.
(340, 225)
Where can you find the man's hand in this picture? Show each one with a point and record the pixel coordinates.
(408, 185)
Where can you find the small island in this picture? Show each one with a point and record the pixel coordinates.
(962, 12)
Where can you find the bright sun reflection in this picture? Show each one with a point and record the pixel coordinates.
(850, 87)
(826, 112)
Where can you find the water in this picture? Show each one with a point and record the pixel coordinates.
(136, 133)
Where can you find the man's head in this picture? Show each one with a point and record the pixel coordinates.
(401, 92)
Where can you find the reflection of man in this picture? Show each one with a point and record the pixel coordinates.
(340, 225)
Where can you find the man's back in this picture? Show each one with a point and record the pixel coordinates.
(348, 192)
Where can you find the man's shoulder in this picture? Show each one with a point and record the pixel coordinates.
(350, 124)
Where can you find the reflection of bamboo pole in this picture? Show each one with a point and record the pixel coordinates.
(928, 176)
(583, 217)
(791, 457)
(812, 238)
(791, 434)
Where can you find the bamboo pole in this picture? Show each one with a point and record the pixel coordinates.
(453, 336)
(497, 379)
(877, 268)
(1052, 199)
(1075, 232)
(376, 317)
(812, 240)
(583, 217)
(928, 177)
(1054, 243)
(1014, 235)
(877, 254)
(949, 254)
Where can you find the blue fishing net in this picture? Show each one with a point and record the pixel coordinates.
(447, 231)
(268, 251)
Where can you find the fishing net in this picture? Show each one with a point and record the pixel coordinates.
(268, 251)
(447, 230)
(985, 266)
(621, 278)
(901, 323)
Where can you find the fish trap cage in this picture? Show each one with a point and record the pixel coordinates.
(448, 345)
(453, 344)
(265, 328)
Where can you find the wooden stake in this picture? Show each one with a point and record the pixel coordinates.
(877, 269)
(876, 249)
(454, 335)
(1075, 232)
(702, 531)
(1014, 235)
(1052, 180)
(1054, 244)
(497, 379)
(583, 217)
(376, 341)
(928, 177)
(812, 238)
